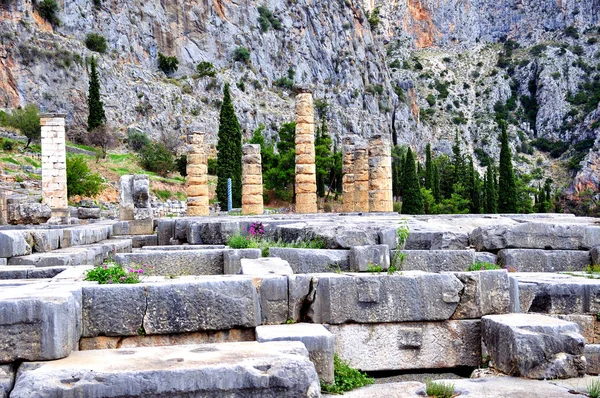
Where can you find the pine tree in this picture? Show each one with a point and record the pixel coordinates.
(507, 187)
(490, 204)
(229, 147)
(474, 189)
(397, 166)
(437, 194)
(412, 201)
(458, 162)
(428, 168)
(96, 115)
(323, 157)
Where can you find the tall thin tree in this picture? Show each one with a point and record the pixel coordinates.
(412, 200)
(96, 116)
(507, 187)
(428, 168)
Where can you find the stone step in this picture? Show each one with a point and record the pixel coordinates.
(304, 261)
(441, 260)
(184, 247)
(177, 262)
(93, 254)
(29, 272)
(274, 369)
(538, 260)
(139, 241)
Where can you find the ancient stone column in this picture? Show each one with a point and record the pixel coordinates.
(54, 167)
(380, 175)
(361, 177)
(252, 183)
(134, 197)
(306, 180)
(348, 175)
(197, 176)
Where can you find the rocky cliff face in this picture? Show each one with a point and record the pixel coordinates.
(419, 70)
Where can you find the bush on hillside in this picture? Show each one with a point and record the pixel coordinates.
(157, 159)
(95, 42)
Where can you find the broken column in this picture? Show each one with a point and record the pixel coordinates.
(306, 181)
(252, 184)
(380, 175)
(197, 176)
(361, 177)
(134, 197)
(54, 166)
(348, 175)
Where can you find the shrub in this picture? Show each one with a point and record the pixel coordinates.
(431, 99)
(483, 266)
(212, 166)
(157, 159)
(80, 180)
(593, 389)
(48, 10)
(137, 140)
(345, 378)
(27, 120)
(373, 18)
(241, 54)
(537, 50)
(438, 389)
(167, 64)
(114, 273)
(206, 69)
(571, 31)
(7, 145)
(577, 50)
(238, 241)
(95, 42)
(103, 138)
(266, 19)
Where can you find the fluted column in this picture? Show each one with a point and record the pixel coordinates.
(252, 183)
(197, 176)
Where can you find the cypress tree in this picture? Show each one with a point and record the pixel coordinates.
(507, 187)
(458, 162)
(229, 147)
(490, 204)
(428, 168)
(474, 192)
(412, 201)
(437, 194)
(96, 115)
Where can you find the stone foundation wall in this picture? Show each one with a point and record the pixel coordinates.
(54, 166)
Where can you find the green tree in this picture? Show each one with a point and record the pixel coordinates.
(428, 168)
(48, 10)
(96, 116)
(323, 157)
(491, 197)
(436, 184)
(229, 148)
(167, 64)
(398, 158)
(412, 201)
(507, 188)
(27, 120)
(474, 189)
(157, 159)
(96, 42)
(80, 180)
(458, 163)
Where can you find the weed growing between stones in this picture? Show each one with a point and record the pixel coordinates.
(376, 269)
(398, 259)
(437, 389)
(345, 378)
(593, 388)
(483, 266)
(256, 240)
(112, 273)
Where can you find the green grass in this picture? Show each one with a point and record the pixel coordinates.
(163, 194)
(33, 162)
(84, 147)
(438, 389)
(483, 266)
(239, 241)
(345, 378)
(9, 159)
(593, 388)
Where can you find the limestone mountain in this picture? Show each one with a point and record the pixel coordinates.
(420, 70)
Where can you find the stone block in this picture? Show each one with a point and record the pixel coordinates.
(484, 293)
(318, 341)
(87, 213)
(389, 237)
(213, 304)
(437, 240)
(301, 294)
(141, 227)
(140, 241)
(538, 260)
(176, 262)
(437, 260)
(28, 213)
(265, 266)
(268, 370)
(592, 357)
(273, 295)
(534, 346)
(403, 346)
(14, 243)
(232, 259)
(370, 298)
(586, 324)
(362, 257)
(39, 323)
(7, 379)
(306, 261)
(113, 310)
(46, 240)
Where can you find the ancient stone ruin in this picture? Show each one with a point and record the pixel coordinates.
(252, 183)
(54, 167)
(348, 175)
(380, 175)
(306, 183)
(197, 176)
(134, 195)
(361, 177)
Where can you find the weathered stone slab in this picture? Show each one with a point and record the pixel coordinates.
(273, 295)
(176, 262)
(592, 357)
(371, 298)
(85, 235)
(38, 322)
(595, 255)
(184, 247)
(14, 243)
(423, 345)
(586, 324)
(113, 310)
(437, 260)
(46, 240)
(28, 213)
(212, 304)
(7, 379)
(232, 259)
(363, 257)
(536, 235)
(265, 266)
(485, 293)
(534, 346)
(301, 294)
(306, 261)
(318, 341)
(437, 240)
(538, 260)
(277, 369)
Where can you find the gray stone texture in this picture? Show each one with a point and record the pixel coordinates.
(39, 323)
(85, 235)
(437, 260)
(534, 346)
(484, 293)
(301, 294)
(592, 357)
(14, 243)
(232, 259)
(400, 346)
(306, 261)
(28, 213)
(273, 295)
(269, 370)
(363, 257)
(318, 341)
(265, 266)
(176, 262)
(538, 260)
(184, 247)
(7, 379)
(389, 236)
(595, 255)
(371, 298)
(212, 304)
(437, 240)
(88, 213)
